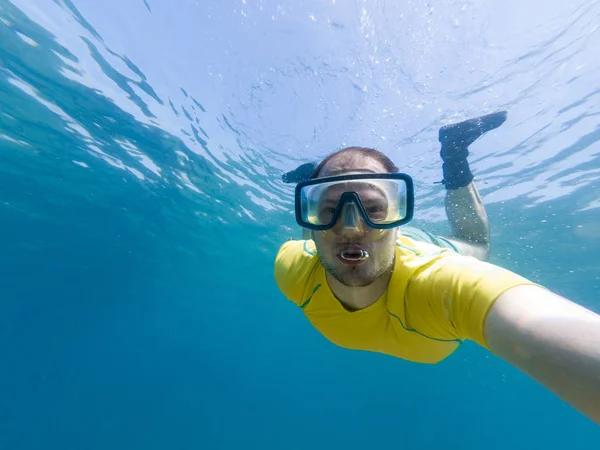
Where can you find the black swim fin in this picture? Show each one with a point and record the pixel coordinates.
(455, 138)
(301, 173)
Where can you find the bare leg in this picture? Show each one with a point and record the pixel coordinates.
(469, 222)
(464, 207)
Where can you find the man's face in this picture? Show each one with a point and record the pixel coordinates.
(338, 245)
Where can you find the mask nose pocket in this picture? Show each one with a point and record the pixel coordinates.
(350, 216)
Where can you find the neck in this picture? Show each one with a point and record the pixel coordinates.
(354, 298)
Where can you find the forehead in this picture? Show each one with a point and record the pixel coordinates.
(351, 163)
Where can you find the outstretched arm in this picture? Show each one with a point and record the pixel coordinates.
(551, 339)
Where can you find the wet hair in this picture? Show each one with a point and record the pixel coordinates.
(355, 152)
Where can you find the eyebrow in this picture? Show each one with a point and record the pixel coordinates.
(334, 198)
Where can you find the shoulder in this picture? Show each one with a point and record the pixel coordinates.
(294, 264)
(422, 235)
(455, 292)
(417, 253)
(431, 263)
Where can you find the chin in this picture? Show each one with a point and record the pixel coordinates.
(355, 277)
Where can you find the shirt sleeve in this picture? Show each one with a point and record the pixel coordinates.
(294, 264)
(450, 297)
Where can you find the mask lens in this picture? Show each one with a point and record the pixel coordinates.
(383, 201)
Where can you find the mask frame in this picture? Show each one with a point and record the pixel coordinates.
(353, 197)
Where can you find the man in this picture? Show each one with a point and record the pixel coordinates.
(464, 207)
(365, 286)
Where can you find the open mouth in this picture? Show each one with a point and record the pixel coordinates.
(353, 255)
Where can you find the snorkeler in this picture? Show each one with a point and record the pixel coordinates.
(464, 207)
(365, 285)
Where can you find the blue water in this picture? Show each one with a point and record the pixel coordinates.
(141, 149)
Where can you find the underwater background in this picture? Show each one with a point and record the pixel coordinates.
(142, 144)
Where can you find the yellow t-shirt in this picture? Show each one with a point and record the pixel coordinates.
(436, 298)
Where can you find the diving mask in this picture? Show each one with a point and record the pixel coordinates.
(382, 200)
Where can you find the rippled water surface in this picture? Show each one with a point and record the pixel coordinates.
(142, 145)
